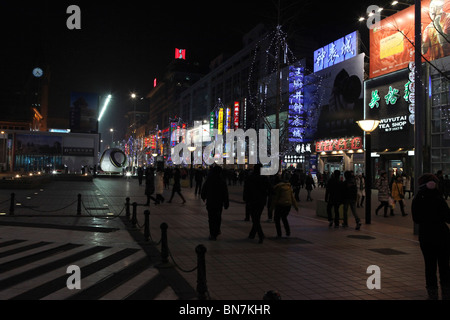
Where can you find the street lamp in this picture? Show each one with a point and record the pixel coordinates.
(368, 126)
(133, 96)
(112, 136)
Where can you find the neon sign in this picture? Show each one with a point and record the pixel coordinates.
(180, 54)
(340, 50)
(236, 115)
(339, 144)
(297, 112)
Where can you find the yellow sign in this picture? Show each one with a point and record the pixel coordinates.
(391, 45)
(220, 121)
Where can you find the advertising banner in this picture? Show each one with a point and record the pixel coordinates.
(392, 42)
(28, 144)
(84, 112)
(334, 100)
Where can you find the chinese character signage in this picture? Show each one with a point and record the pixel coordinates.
(342, 144)
(340, 50)
(297, 112)
(211, 123)
(390, 100)
(220, 120)
(236, 115)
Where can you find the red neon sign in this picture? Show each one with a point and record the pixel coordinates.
(236, 115)
(180, 54)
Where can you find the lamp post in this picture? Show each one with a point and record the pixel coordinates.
(368, 126)
(191, 150)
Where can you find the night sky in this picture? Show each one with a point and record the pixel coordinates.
(123, 45)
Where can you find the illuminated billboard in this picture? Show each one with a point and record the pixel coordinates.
(340, 50)
(388, 99)
(297, 112)
(392, 42)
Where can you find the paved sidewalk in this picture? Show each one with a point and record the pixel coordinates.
(315, 263)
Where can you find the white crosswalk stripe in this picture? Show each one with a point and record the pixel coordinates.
(35, 270)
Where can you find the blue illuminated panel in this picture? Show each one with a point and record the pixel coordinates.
(297, 112)
(337, 51)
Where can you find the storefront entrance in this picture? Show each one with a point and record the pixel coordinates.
(395, 167)
(334, 163)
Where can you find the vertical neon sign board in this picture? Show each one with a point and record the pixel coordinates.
(236, 115)
(220, 121)
(228, 120)
(211, 124)
(297, 112)
(173, 127)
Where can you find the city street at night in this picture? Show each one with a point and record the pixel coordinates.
(143, 143)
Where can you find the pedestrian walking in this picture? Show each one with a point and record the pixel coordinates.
(384, 193)
(159, 184)
(407, 185)
(167, 176)
(150, 185)
(398, 195)
(215, 193)
(361, 190)
(273, 181)
(334, 198)
(140, 174)
(295, 183)
(432, 214)
(282, 201)
(198, 180)
(350, 198)
(309, 185)
(176, 188)
(256, 190)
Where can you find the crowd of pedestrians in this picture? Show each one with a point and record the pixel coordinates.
(343, 192)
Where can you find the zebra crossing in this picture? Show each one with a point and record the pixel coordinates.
(37, 270)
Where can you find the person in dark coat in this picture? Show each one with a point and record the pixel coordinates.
(215, 194)
(256, 191)
(140, 174)
(350, 198)
(198, 180)
(432, 214)
(334, 197)
(176, 185)
(150, 185)
(309, 185)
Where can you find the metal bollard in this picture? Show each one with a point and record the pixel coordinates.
(202, 289)
(134, 217)
(127, 208)
(13, 204)
(79, 205)
(164, 244)
(147, 225)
